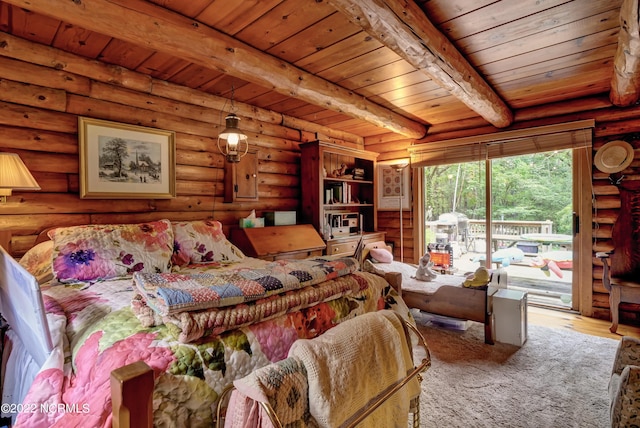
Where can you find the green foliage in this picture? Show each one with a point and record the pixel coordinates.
(533, 187)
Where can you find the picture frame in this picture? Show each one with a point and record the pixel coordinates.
(122, 161)
(393, 185)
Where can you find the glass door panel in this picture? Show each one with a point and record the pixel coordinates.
(532, 208)
(531, 221)
(455, 215)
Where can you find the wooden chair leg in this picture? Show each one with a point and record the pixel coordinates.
(614, 303)
(488, 329)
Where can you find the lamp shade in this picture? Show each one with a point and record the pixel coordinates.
(14, 175)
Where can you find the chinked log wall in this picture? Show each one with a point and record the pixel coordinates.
(612, 123)
(43, 91)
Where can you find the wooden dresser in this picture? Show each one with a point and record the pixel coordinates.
(347, 245)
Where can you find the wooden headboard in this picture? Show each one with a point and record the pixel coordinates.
(43, 236)
(5, 240)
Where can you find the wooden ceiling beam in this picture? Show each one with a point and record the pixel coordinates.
(404, 28)
(625, 83)
(150, 26)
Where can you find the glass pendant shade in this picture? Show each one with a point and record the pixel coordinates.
(232, 142)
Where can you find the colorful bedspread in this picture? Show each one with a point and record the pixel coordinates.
(96, 331)
(170, 293)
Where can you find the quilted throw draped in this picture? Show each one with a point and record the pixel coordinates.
(171, 293)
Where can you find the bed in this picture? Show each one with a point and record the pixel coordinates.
(445, 295)
(104, 297)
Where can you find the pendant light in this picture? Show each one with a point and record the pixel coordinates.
(232, 142)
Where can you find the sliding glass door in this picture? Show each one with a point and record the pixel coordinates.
(531, 220)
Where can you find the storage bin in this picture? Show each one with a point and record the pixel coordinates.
(426, 318)
(280, 218)
(527, 247)
(510, 312)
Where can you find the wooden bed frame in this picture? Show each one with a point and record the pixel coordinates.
(471, 304)
(132, 393)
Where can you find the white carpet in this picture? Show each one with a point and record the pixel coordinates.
(557, 379)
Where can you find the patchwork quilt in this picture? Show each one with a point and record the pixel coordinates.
(96, 331)
(170, 293)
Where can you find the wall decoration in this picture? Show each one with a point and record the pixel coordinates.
(393, 185)
(120, 161)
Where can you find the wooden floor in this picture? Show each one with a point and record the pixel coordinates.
(593, 326)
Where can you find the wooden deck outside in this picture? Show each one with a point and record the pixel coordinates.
(542, 289)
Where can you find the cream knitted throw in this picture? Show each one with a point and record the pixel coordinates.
(348, 366)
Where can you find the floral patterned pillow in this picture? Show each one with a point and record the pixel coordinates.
(92, 252)
(202, 241)
(37, 261)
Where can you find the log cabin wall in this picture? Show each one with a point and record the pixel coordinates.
(607, 205)
(43, 93)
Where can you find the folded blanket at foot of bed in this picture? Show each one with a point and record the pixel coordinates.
(344, 370)
(193, 325)
(375, 352)
(169, 293)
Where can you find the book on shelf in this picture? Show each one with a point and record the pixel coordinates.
(339, 194)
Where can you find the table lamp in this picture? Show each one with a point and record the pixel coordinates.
(14, 175)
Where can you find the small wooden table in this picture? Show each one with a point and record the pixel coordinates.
(548, 239)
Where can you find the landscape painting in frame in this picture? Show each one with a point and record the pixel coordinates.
(121, 161)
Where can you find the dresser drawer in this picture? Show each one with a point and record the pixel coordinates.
(298, 255)
(373, 237)
(342, 248)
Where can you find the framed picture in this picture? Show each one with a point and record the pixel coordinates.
(393, 185)
(120, 161)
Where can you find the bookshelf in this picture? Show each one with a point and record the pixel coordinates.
(339, 193)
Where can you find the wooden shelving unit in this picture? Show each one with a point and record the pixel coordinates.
(339, 194)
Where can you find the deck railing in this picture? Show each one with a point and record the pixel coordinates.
(504, 233)
(509, 228)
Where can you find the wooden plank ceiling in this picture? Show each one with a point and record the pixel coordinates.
(366, 67)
